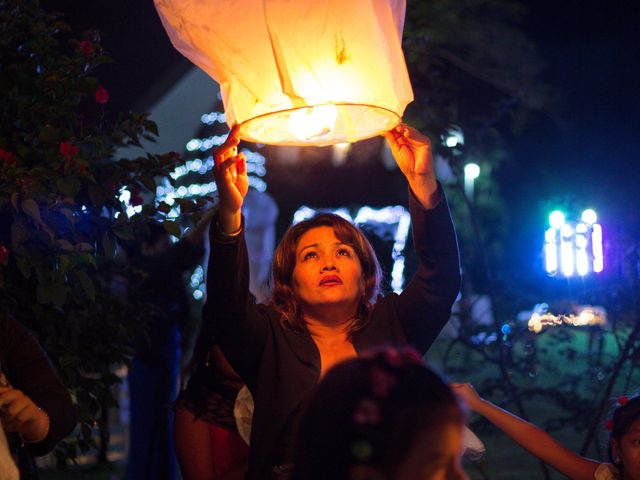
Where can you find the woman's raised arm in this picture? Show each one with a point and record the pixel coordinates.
(230, 173)
(412, 152)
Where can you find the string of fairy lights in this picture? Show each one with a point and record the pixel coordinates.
(201, 166)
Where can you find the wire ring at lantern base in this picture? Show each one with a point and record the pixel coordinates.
(319, 125)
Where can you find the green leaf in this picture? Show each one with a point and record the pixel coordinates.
(69, 186)
(19, 234)
(172, 228)
(164, 207)
(124, 232)
(151, 126)
(68, 361)
(186, 205)
(65, 244)
(68, 214)
(86, 430)
(24, 266)
(88, 259)
(64, 265)
(23, 150)
(149, 182)
(48, 134)
(52, 293)
(109, 245)
(87, 284)
(30, 207)
(84, 247)
(14, 199)
(98, 195)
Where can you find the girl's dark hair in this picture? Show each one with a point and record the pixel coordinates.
(283, 298)
(368, 412)
(623, 417)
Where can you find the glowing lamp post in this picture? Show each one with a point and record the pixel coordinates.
(305, 72)
(471, 172)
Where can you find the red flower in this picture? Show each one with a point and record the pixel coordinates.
(86, 47)
(381, 381)
(411, 355)
(68, 150)
(4, 254)
(392, 356)
(136, 199)
(7, 158)
(102, 96)
(622, 401)
(608, 425)
(367, 412)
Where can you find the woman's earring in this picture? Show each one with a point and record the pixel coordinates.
(616, 460)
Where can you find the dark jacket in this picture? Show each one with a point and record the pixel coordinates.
(27, 368)
(281, 366)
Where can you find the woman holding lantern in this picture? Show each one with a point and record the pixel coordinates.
(325, 305)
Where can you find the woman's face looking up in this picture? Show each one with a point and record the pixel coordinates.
(327, 272)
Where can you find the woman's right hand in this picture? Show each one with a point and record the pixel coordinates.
(230, 174)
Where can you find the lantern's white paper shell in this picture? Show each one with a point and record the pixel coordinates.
(298, 72)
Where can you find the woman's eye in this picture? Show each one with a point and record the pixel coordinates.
(344, 252)
(309, 255)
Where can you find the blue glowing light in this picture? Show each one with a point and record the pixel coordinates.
(572, 248)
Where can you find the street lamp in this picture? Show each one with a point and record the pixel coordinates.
(453, 137)
(471, 172)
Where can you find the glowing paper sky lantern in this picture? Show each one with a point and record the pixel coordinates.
(303, 72)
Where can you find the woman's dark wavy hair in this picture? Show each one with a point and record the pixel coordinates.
(623, 417)
(283, 298)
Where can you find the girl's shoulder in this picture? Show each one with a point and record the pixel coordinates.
(606, 471)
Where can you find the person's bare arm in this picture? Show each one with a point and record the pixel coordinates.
(533, 439)
(193, 446)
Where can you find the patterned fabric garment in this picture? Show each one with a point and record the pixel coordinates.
(606, 471)
(210, 397)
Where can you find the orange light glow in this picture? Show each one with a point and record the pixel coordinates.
(298, 73)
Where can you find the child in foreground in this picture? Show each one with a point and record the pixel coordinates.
(382, 416)
(624, 442)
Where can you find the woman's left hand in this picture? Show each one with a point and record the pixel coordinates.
(19, 414)
(412, 152)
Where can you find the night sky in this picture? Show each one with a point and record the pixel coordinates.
(584, 152)
(591, 147)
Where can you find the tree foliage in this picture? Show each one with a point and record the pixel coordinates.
(61, 219)
(472, 65)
